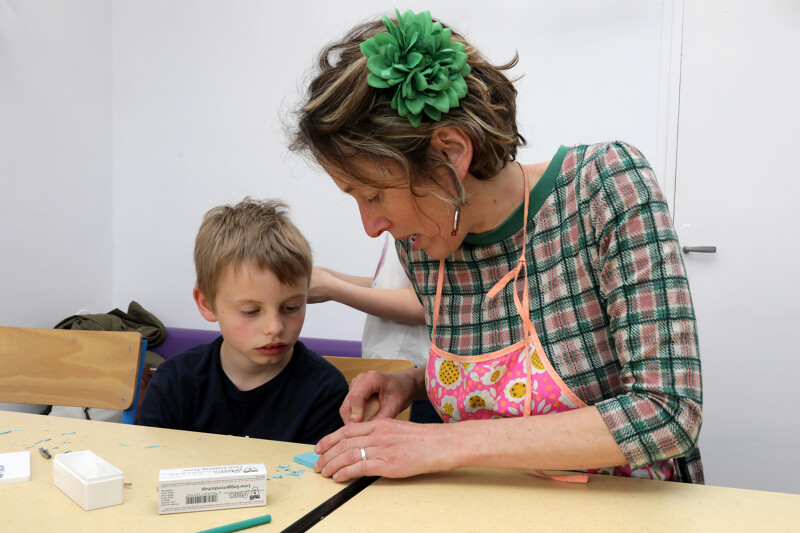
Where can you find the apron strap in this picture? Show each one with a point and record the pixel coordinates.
(568, 478)
(521, 267)
(437, 301)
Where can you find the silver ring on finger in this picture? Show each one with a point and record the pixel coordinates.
(363, 454)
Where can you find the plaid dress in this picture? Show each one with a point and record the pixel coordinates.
(608, 296)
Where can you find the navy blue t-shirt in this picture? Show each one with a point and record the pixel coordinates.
(190, 391)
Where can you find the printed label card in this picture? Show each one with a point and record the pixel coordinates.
(15, 467)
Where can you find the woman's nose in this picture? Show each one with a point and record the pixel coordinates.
(374, 224)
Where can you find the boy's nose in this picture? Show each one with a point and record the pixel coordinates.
(273, 325)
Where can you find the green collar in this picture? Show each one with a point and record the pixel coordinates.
(537, 197)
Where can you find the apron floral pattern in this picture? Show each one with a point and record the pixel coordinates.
(495, 388)
(516, 381)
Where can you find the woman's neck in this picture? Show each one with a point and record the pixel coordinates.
(490, 202)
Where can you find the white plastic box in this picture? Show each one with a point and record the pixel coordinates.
(205, 488)
(86, 478)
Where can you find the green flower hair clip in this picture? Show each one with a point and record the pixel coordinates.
(419, 60)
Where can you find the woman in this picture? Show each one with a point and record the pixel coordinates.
(551, 289)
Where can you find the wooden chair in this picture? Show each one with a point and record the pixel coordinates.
(72, 367)
(353, 366)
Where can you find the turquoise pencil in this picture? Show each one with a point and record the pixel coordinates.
(238, 526)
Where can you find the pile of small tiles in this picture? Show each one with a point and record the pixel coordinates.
(286, 470)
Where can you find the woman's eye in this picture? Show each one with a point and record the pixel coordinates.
(374, 198)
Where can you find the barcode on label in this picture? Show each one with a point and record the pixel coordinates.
(192, 499)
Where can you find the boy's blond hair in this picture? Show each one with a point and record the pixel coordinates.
(255, 231)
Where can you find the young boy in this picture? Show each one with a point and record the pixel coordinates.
(253, 270)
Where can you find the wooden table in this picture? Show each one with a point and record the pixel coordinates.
(486, 500)
(466, 500)
(140, 452)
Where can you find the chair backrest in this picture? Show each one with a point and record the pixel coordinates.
(71, 367)
(350, 367)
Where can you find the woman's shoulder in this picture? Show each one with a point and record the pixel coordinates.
(607, 156)
(613, 168)
(611, 178)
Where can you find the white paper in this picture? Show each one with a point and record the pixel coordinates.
(15, 467)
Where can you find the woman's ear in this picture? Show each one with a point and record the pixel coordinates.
(456, 145)
(203, 305)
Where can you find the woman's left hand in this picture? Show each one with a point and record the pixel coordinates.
(393, 448)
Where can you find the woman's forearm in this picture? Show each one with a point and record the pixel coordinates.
(573, 440)
(398, 305)
(359, 281)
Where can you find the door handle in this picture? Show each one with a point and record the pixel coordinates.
(699, 249)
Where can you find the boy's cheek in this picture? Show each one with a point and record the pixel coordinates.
(235, 327)
(295, 325)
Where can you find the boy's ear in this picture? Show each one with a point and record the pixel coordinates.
(456, 145)
(203, 305)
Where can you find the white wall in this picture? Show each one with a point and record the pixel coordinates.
(122, 122)
(55, 160)
(201, 88)
(739, 116)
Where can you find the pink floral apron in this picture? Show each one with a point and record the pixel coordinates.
(515, 381)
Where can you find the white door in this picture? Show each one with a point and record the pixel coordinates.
(738, 188)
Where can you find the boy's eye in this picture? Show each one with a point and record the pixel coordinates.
(291, 308)
(251, 312)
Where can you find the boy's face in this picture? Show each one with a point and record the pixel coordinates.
(259, 317)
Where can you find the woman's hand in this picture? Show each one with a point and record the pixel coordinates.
(319, 288)
(394, 391)
(393, 448)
